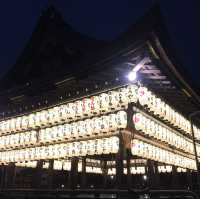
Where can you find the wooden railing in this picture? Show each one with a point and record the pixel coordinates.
(95, 193)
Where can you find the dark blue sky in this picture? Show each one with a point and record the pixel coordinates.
(104, 19)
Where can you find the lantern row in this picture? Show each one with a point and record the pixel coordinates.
(86, 128)
(80, 109)
(73, 149)
(97, 126)
(146, 150)
(66, 166)
(158, 107)
(159, 132)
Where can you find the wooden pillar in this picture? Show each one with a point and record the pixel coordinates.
(150, 173)
(104, 173)
(190, 184)
(74, 173)
(128, 165)
(38, 174)
(9, 175)
(157, 177)
(50, 174)
(119, 164)
(83, 173)
(174, 178)
(3, 171)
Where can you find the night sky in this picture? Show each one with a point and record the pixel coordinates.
(105, 20)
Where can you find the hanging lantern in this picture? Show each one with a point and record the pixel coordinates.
(95, 105)
(54, 133)
(123, 97)
(89, 126)
(33, 137)
(96, 125)
(24, 122)
(67, 131)
(81, 128)
(31, 121)
(137, 120)
(86, 107)
(56, 118)
(71, 111)
(113, 100)
(105, 124)
(104, 102)
(63, 112)
(60, 132)
(112, 122)
(115, 145)
(13, 125)
(121, 119)
(37, 119)
(143, 96)
(132, 92)
(79, 108)
(100, 148)
(74, 130)
(48, 135)
(43, 117)
(7, 126)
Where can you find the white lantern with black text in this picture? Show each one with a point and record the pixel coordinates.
(113, 100)
(95, 105)
(86, 107)
(104, 102)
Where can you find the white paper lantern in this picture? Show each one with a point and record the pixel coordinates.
(63, 112)
(13, 124)
(121, 119)
(124, 97)
(81, 128)
(97, 125)
(105, 124)
(112, 122)
(132, 92)
(67, 130)
(24, 122)
(74, 130)
(114, 100)
(143, 96)
(89, 126)
(43, 118)
(79, 108)
(31, 120)
(95, 105)
(104, 102)
(71, 111)
(86, 107)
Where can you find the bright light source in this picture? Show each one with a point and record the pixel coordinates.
(132, 76)
(144, 177)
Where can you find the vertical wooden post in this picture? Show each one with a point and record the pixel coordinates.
(83, 173)
(190, 184)
(128, 165)
(157, 178)
(119, 164)
(174, 179)
(3, 168)
(9, 175)
(150, 173)
(50, 174)
(104, 172)
(38, 175)
(74, 173)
